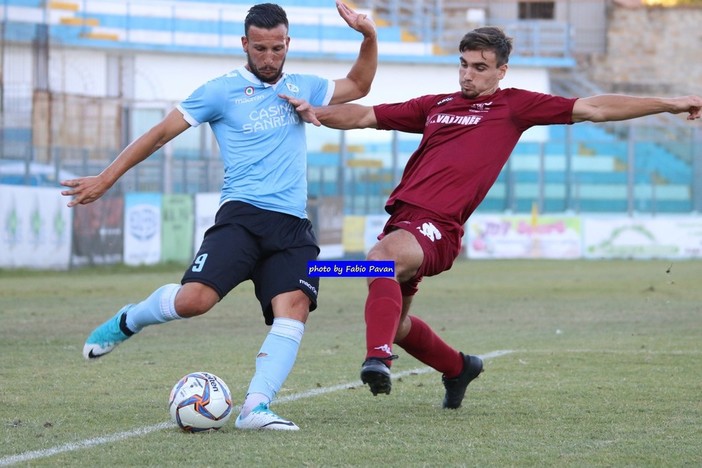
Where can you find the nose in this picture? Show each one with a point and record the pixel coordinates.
(466, 75)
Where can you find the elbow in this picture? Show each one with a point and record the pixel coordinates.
(353, 94)
(364, 90)
(594, 117)
(598, 117)
(361, 83)
(160, 142)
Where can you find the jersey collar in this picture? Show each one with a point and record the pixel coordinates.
(253, 79)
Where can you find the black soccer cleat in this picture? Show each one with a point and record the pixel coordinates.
(456, 387)
(376, 374)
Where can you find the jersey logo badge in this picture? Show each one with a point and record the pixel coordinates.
(429, 230)
(292, 88)
(481, 106)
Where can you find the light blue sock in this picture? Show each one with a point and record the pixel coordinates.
(276, 358)
(159, 307)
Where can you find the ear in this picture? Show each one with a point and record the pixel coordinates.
(502, 71)
(244, 43)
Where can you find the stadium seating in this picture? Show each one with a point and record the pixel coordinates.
(213, 27)
(592, 174)
(597, 182)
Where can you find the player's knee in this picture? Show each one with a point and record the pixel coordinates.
(402, 330)
(378, 254)
(191, 308)
(195, 299)
(294, 305)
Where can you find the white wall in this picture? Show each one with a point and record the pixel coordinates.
(172, 78)
(78, 71)
(167, 79)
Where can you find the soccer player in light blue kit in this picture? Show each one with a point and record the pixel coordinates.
(261, 231)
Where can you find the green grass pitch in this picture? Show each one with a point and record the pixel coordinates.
(603, 369)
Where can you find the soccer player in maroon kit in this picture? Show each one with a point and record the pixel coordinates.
(467, 138)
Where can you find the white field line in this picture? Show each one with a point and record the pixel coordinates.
(87, 443)
(358, 383)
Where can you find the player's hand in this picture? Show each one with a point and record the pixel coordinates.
(84, 190)
(303, 109)
(690, 104)
(358, 21)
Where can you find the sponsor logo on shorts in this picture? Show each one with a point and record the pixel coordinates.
(429, 230)
(309, 286)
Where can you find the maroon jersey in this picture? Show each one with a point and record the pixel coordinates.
(465, 144)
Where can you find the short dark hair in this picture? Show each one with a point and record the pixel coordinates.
(266, 16)
(488, 38)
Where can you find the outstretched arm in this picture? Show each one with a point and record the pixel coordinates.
(358, 81)
(610, 107)
(86, 190)
(346, 116)
(340, 116)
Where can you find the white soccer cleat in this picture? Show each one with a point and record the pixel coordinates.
(263, 418)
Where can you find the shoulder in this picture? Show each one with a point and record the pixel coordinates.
(525, 94)
(436, 100)
(517, 96)
(423, 105)
(223, 82)
(233, 75)
(517, 93)
(302, 79)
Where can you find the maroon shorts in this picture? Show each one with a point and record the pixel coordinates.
(440, 241)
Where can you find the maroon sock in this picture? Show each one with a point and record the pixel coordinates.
(383, 311)
(424, 344)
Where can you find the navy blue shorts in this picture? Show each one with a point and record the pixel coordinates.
(247, 243)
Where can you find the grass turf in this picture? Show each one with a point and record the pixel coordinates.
(603, 371)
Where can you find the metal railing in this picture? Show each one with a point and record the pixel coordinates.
(559, 175)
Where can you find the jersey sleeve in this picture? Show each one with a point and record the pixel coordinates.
(205, 104)
(329, 93)
(319, 90)
(409, 116)
(530, 108)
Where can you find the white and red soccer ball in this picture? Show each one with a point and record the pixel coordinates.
(200, 401)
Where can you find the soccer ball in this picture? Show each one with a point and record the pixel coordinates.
(200, 401)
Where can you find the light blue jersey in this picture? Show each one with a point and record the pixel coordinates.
(261, 138)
